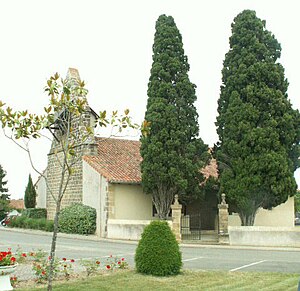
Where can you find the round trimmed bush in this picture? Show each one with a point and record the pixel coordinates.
(158, 252)
(78, 218)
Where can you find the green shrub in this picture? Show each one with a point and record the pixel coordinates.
(31, 223)
(158, 252)
(18, 221)
(78, 218)
(49, 225)
(35, 212)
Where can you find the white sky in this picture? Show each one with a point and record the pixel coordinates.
(110, 43)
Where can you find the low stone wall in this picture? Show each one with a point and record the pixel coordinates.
(264, 236)
(127, 229)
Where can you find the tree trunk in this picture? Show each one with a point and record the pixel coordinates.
(162, 200)
(56, 218)
(53, 246)
(247, 219)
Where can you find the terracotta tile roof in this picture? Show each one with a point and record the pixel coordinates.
(119, 161)
(17, 204)
(210, 170)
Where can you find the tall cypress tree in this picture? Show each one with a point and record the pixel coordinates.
(4, 197)
(2, 183)
(172, 152)
(259, 131)
(30, 194)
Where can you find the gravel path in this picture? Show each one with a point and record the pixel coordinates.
(24, 272)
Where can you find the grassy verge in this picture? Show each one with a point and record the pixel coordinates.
(201, 280)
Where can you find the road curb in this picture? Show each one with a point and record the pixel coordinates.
(66, 235)
(188, 245)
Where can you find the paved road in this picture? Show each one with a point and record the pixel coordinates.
(194, 257)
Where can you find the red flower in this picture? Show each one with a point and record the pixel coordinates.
(108, 267)
(122, 259)
(13, 259)
(119, 263)
(49, 258)
(64, 259)
(43, 273)
(72, 260)
(24, 255)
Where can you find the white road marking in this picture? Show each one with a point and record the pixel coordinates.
(246, 266)
(193, 259)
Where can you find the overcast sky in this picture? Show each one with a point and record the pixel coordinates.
(110, 43)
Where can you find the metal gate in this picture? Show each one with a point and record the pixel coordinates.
(191, 227)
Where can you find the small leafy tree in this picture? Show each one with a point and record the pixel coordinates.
(259, 133)
(173, 154)
(4, 197)
(67, 101)
(30, 194)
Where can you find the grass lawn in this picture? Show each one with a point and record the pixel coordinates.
(188, 280)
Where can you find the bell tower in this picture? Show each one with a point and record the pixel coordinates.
(70, 128)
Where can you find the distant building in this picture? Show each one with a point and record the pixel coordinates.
(16, 204)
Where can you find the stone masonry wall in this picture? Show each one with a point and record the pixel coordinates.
(74, 189)
(73, 192)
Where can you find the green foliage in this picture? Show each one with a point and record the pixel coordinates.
(211, 187)
(90, 266)
(4, 207)
(31, 223)
(35, 212)
(258, 129)
(30, 194)
(2, 182)
(4, 197)
(158, 252)
(172, 152)
(78, 218)
(41, 269)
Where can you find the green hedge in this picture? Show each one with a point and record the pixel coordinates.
(78, 218)
(31, 223)
(35, 212)
(158, 252)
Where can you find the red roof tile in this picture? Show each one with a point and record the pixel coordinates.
(210, 170)
(16, 204)
(119, 161)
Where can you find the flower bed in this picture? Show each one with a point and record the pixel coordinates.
(64, 269)
(7, 258)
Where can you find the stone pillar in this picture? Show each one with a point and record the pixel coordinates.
(110, 202)
(223, 221)
(176, 218)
